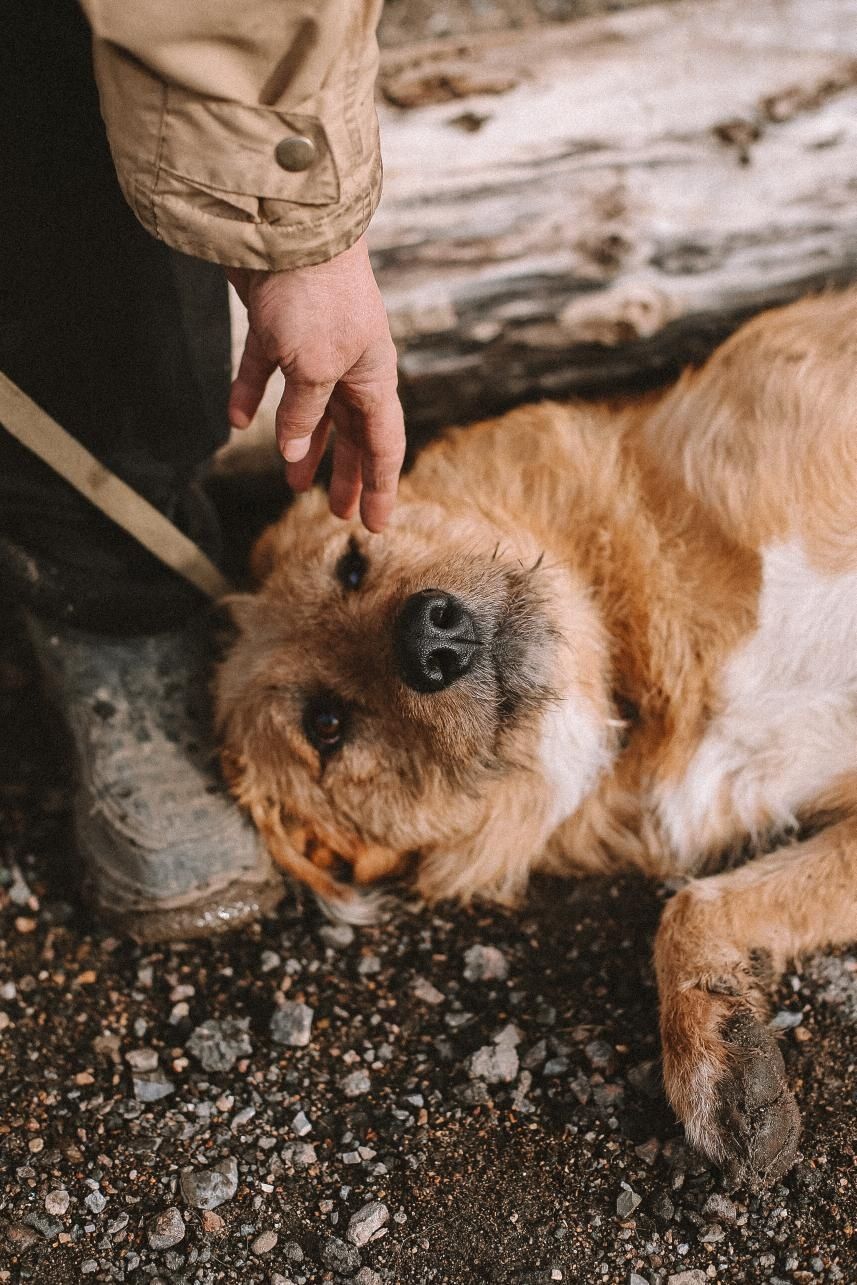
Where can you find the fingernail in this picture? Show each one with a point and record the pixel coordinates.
(296, 449)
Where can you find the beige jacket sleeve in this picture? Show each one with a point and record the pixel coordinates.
(243, 131)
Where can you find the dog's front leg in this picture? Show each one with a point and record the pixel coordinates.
(721, 944)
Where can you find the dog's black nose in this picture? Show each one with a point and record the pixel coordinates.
(435, 640)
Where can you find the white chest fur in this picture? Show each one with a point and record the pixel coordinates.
(786, 725)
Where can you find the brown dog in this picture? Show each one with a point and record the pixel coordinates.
(595, 636)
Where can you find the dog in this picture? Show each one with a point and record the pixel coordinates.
(594, 637)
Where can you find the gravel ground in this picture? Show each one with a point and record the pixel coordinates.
(449, 1096)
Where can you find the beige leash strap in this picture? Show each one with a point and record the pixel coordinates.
(44, 437)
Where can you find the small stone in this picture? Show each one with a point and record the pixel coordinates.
(269, 960)
(25, 925)
(301, 1125)
(649, 1151)
(292, 1025)
(166, 1229)
(57, 1202)
(340, 1257)
(96, 1201)
(555, 1066)
(356, 1084)
(663, 1207)
(142, 1059)
(366, 1276)
(299, 1155)
(609, 1097)
(88, 1267)
(712, 1234)
(694, 1277)
(264, 1243)
(212, 1223)
(719, 1208)
(119, 1223)
(19, 1237)
(635, 1279)
(425, 991)
(219, 1045)
(208, 1188)
(627, 1201)
(337, 936)
(785, 1020)
(601, 1055)
(152, 1087)
(50, 1228)
(293, 1252)
(494, 1063)
(369, 965)
(363, 1225)
(485, 964)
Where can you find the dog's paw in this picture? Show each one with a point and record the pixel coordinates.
(756, 1115)
(728, 1086)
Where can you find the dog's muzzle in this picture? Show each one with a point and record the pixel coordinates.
(436, 640)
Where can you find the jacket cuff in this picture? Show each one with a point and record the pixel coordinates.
(241, 185)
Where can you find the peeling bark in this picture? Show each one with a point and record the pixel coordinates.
(590, 205)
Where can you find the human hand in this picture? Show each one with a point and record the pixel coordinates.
(326, 329)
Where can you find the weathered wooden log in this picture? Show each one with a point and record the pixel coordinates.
(575, 207)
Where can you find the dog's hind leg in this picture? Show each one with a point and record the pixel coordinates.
(722, 943)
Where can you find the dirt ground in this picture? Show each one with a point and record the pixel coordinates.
(477, 1097)
(447, 1097)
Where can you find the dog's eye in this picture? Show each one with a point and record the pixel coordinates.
(324, 723)
(351, 567)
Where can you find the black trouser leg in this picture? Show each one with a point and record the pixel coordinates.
(122, 340)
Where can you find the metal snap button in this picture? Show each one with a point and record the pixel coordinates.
(295, 153)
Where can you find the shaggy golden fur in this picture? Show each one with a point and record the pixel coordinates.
(664, 598)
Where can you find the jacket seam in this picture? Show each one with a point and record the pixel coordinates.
(158, 154)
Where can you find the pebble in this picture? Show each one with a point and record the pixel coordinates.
(95, 1201)
(50, 1228)
(363, 1225)
(337, 936)
(494, 1063)
(635, 1279)
(152, 1087)
(425, 991)
(208, 1188)
(212, 1222)
(217, 1046)
(366, 1276)
(166, 1229)
(694, 1277)
(785, 1020)
(57, 1202)
(264, 1243)
(719, 1208)
(340, 1257)
(301, 1125)
(142, 1059)
(601, 1056)
(485, 964)
(300, 1155)
(292, 1025)
(356, 1084)
(627, 1201)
